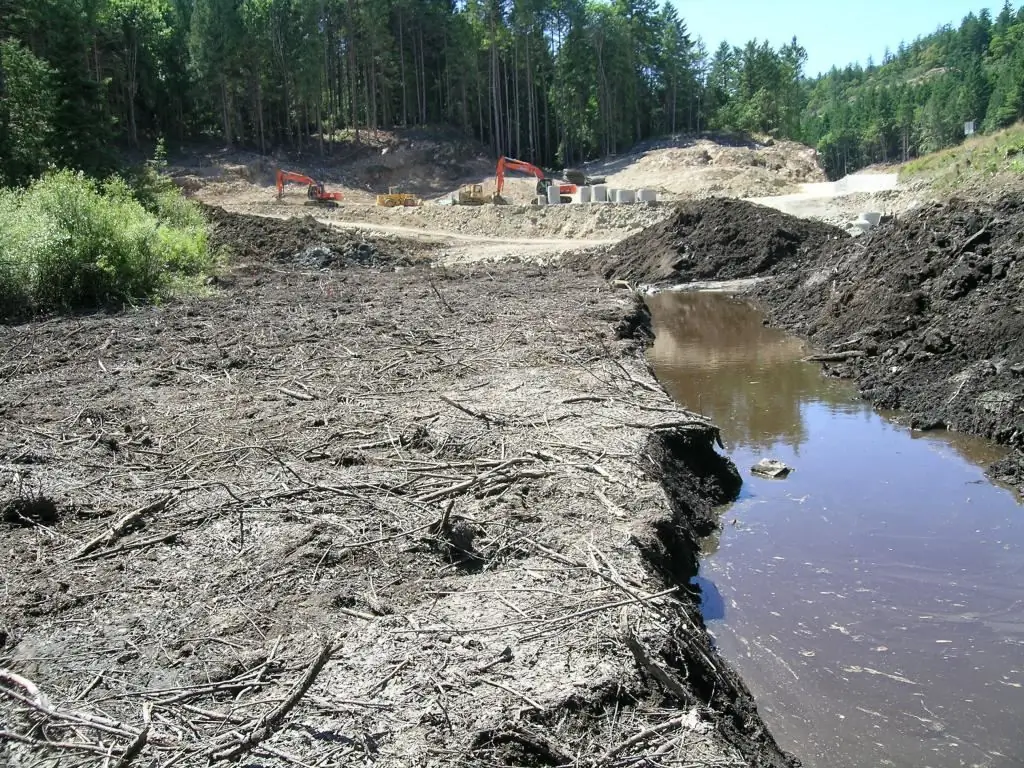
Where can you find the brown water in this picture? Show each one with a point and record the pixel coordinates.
(874, 600)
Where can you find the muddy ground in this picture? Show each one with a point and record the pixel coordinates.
(371, 511)
(926, 313)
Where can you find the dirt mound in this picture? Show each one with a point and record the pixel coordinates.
(723, 165)
(717, 239)
(926, 314)
(303, 242)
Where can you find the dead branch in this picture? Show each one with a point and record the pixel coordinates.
(517, 694)
(642, 736)
(472, 412)
(165, 538)
(122, 526)
(265, 727)
(294, 394)
(136, 747)
(653, 668)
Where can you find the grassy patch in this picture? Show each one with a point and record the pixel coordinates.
(68, 242)
(977, 158)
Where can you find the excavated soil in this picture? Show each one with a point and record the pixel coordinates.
(715, 239)
(411, 516)
(302, 242)
(927, 315)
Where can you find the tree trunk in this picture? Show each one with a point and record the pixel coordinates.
(401, 58)
(352, 67)
(259, 109)
(225, 114)
(495, 105)
(423, 82)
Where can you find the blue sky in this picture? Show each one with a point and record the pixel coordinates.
(832, 32)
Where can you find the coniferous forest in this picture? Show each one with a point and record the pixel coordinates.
(551, 81)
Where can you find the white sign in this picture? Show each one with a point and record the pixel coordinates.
(969, 128)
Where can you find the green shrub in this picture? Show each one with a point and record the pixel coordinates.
(66, 242)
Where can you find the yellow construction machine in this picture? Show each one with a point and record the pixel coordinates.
(396, 199)
(472, 194)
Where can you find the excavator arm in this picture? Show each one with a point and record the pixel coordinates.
(314, 189)
(511, 164)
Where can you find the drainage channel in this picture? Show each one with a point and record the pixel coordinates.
(873, 601)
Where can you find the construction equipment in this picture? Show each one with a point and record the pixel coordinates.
(506, 164)
(471, 194)
(396, 199)
(314, 189)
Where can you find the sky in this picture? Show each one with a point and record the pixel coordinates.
(833, 32)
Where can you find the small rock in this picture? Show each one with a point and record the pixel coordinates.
(771, 468)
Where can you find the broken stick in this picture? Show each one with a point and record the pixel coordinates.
(265, 727)
(122, 526)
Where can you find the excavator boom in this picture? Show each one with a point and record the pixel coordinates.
(511, 164)
(314, 189)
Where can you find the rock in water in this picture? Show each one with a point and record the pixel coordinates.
(771, 468)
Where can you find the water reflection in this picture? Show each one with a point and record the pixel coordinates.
(712, 606)
(714, 355)
(874, 600)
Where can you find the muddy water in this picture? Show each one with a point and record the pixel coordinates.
(874, 600)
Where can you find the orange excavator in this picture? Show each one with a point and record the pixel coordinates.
(511, 164)
(314, 189)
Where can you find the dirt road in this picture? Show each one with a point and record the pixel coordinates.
(840, 202)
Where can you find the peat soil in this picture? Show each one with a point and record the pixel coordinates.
(363, 513)
(714, 239)
(925, 314)
(302, 242)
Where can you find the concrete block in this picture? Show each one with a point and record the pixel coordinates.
(599, 193)
(585, 194)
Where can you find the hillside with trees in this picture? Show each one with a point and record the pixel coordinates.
(552, 81)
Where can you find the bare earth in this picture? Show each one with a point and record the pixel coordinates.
(433, 511)
(405, 517)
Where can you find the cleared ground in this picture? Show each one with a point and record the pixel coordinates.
(386, 513)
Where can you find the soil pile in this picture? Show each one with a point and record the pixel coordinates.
(303, 242)
(926, 313)
(718, 239)
(712, 164)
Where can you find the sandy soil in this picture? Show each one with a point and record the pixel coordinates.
(689, 167)
(436, 167)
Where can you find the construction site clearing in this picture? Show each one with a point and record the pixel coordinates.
(371, 500)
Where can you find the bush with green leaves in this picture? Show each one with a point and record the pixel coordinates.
(69, 242)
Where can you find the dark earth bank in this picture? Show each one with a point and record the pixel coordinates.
(304, 242)
(925, 313)
(714, 239)
(336, 515)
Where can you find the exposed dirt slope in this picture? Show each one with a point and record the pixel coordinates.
(353, 515)
(715, 239)
(424, 161)
(931, 310)
(699, 166)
